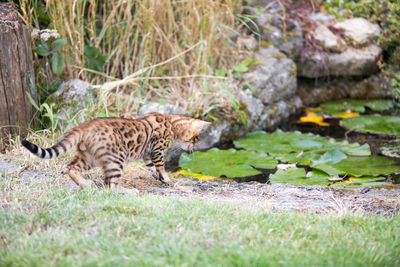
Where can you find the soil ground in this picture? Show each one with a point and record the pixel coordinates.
(280, 197)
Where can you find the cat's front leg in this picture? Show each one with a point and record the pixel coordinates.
(157, 159)
(150, 166)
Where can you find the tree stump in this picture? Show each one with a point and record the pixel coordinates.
(16, 74)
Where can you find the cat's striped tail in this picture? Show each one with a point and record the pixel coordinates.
(65, 144)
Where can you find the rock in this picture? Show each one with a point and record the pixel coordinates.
(163, 109)
(285, 34)
(322, 18)
(315, 92)
(271, 4)
(328, 40)
(278, 113)
(70, 98)
(247, 42)
(351, 62)
(274, 78)
(359, 30)
(213, 135)
(171, 157)
(375, 86)
(253, 106)
(260, 117)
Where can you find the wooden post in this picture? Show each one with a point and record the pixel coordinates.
(16, 73)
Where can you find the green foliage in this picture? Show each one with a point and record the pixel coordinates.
(94, 59)
(286, 146)
(374, 124)
(57, 63)
(356, 105)
(327, 159)
(51, 47)
(360, 166)
(46, 111)
(244, 66)
(229, 163)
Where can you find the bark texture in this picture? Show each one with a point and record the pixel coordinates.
(16, 74)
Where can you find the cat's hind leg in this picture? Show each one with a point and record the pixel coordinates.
(75, 168)
(113, 172)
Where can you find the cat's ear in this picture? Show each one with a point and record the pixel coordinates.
(200, 125)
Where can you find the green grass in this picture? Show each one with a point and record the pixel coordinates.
(96, 227)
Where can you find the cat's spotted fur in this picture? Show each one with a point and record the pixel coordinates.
(112, 142)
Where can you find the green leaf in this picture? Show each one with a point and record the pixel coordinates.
(330, 157)
(94, 59)
(374, 124)
(57, 44)
(305, 144)
(290, 146)
(297, 176)
(43, 50)
(360, 182)
(32, 101)
(229, 163)
(356, 105)
(361, 166)
(244, 65)
(57, 63)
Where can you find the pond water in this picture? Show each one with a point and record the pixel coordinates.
(342, 144)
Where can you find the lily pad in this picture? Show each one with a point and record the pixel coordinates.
(229, 163)
(360, 182)
(330, 157)
(297, 176)
(361, 166)
(374, 124)
(296, 147)
(356, 105)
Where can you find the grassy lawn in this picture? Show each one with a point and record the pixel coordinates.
(96, 227)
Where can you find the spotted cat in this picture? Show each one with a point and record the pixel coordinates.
(112, 142)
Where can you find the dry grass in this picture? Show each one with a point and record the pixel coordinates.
(138, 35)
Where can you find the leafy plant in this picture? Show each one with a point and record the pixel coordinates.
(49, 45)
(46, 111)
(244, 66)
(94, 59)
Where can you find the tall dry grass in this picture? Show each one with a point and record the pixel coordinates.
(134, 35)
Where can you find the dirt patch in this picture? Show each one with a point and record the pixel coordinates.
(280, 197)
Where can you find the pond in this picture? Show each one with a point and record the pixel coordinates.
(341, 144)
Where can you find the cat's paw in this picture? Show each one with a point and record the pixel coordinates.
(163, 177)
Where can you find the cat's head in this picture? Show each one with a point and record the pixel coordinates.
(187, 131)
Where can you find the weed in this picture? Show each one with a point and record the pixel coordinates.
(111, 40)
